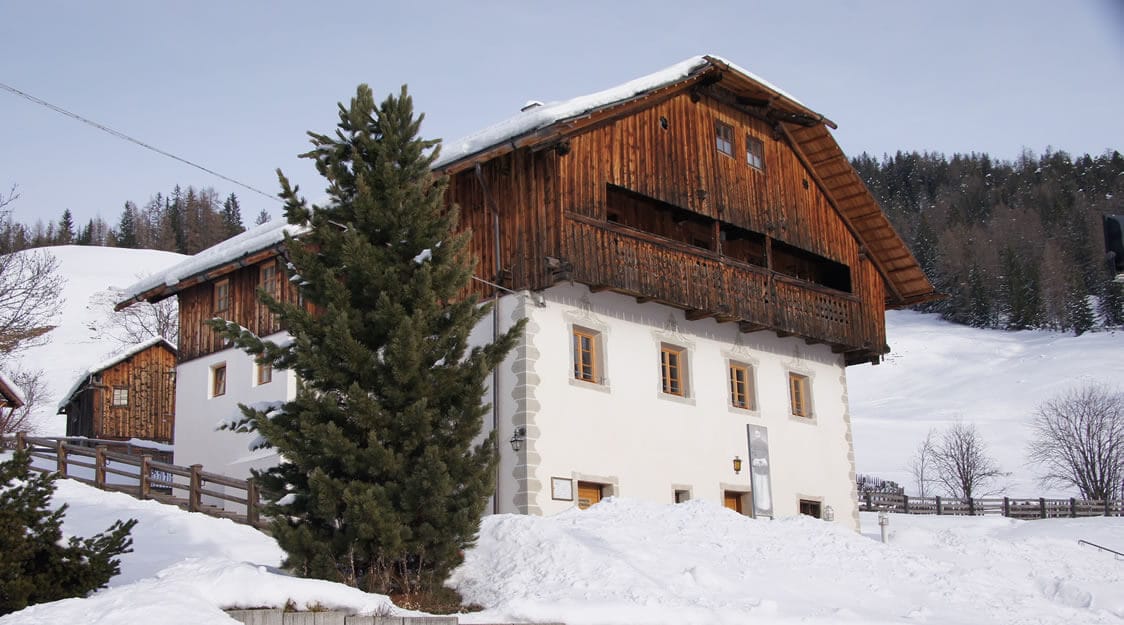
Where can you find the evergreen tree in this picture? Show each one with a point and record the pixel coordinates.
(66, 229)
(1078, 311)
(36, 565)
(263, 217)
(1112, 304)
(127, 227)
(382, 486)
(231, 217)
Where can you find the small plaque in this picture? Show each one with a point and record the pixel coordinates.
(562, 488)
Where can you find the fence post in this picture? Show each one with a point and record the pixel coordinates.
(99, 467)
(1106, 506)
(194, 497)
(905, 504)
(1042, 506)
(940, 510)
(1006, 506)
(145, 471)
(870, 506)
(1072, 508)
(60, 458)
(21, 441)
(251, 502)
(971, 506)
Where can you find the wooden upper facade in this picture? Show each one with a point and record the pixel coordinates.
(132, 395)
(709, 191)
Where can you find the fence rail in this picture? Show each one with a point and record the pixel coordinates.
(139, 474)
(1013, 507)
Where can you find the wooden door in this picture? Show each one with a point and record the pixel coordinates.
(589, 493)
(733, 500)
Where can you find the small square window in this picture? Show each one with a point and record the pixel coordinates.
(724, 138)
(673, 370)
(222, 297)
(120, 396)
(741, 386)
(682, 496)
(798, 395)
(265, 373)
(755, 152)
(811, 508)
(586, 355)
(218, 380)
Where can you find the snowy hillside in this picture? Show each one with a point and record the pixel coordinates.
(938, 372)
(636, 563)
(83, 336)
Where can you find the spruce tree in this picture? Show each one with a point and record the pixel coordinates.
(36, 565)
(127, 227)
(382, 485)
(263, 217)
(66, 229)
(231, 217)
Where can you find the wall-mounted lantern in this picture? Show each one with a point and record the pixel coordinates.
(517, 438)
(737, 465)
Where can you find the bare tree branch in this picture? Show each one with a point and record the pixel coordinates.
(956, 459)
(30, 294)
(921, 467)
(1078, 440)
(34, 391)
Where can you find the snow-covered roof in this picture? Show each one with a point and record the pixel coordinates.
(109, 362)
(538, 117)
(239, 246)
(11, 392)
(529, 120)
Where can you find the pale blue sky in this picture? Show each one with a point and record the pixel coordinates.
(235, 85)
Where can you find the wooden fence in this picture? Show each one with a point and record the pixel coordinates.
(1013, 507)
(136, 473)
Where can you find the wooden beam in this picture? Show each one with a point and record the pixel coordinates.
(748, 327)
(810, 341)
(695, 315)
(597, 288)
(783, 334)
(644, 299)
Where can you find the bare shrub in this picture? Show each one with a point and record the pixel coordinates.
(957, 460)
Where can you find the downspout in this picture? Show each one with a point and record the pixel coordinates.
(495, 329)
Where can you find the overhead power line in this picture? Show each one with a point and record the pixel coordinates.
(121, 135)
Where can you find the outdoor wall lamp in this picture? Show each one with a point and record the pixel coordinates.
(828, 513)
(737, 465)
(518, 437)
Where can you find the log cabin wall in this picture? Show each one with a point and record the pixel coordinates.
(667, 152)
(521, 187)
(149, 413)
(198, 303)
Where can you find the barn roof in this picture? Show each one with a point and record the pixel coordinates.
(118, 357)
(10, 394)
(806, 130)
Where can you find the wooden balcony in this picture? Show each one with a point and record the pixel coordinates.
(706, 284)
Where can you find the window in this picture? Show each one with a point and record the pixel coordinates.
(798, 395)
(673, 372)
(265, 373)
(218, 380)
(120, 396)
(682, 496)
(811, 508)
(754, 152)
(585, 356)
(724, 138)
(741, 386)
(270, 279)
(222, 297)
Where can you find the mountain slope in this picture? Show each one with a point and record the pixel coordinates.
(938, 372)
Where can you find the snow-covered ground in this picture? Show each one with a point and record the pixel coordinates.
(938, 372)
(638, 563)
(83, 335)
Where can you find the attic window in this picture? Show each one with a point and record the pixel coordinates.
(755, 152)
(222, 296)
(724, 137)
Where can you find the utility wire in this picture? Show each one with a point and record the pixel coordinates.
(121, 135)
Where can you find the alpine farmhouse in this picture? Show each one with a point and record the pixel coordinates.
(698, 263)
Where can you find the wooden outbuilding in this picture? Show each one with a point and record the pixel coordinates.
(10, 398)
(130, 395)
